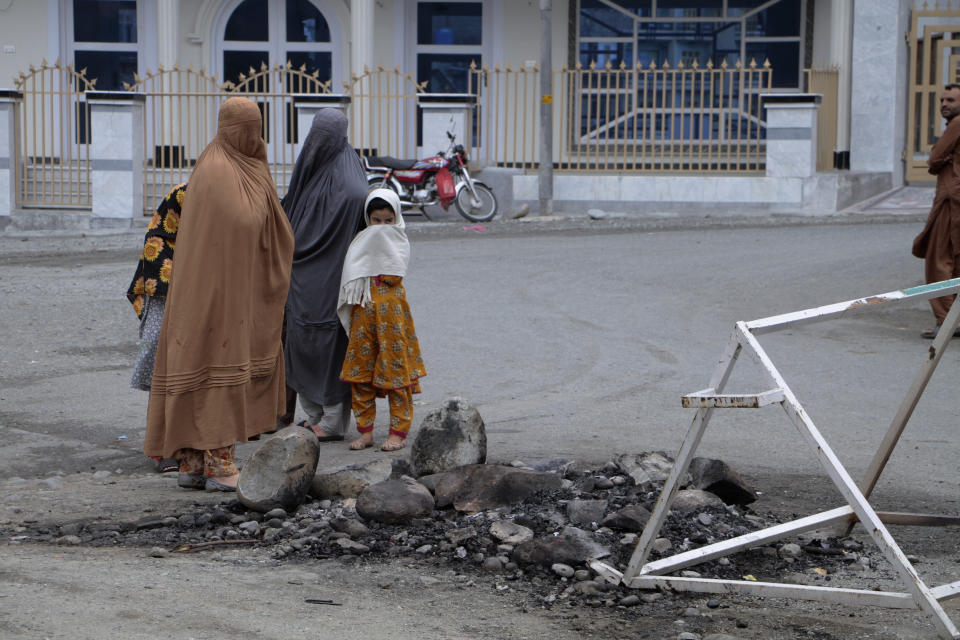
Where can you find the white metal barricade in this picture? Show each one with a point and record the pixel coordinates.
(649, 575)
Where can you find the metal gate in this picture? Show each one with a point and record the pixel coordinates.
(273, 89)
(383, 112)
(180, 119)
(934, 43)
(55, 127)
(683, 118)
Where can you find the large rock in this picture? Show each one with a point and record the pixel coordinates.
(648, 469)
(278, 474)
(717, 477)
(349, 481)
(394, 501)
(572, 547)
(690, 500)
(401, 467)
(631, 518)
(449, 437)
(431, 481)
(478, 487)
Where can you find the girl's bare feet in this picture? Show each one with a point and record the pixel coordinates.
(365, 441)
(393, 443)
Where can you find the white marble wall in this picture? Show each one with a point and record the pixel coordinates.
(8, 155)
(305, 113)
(440, 118)
(791, 140)
(116, 158)
(720, 190)
(879, 86)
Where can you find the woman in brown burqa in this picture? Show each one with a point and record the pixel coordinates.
(219, 374)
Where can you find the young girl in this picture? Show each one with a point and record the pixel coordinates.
(148, 291)
(383, 357)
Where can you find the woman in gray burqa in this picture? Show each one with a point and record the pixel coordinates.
(325, 206)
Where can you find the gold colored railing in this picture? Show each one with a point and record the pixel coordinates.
(825, 82)
(383, 112)
(666, 119)
(682, 119)
(273, 88)
(507, 117)
(55, 127)
(181, 118)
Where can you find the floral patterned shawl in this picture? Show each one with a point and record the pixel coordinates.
(156, 261)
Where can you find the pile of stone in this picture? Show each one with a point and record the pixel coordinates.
(446, 504)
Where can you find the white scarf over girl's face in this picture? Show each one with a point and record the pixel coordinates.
(381, 249)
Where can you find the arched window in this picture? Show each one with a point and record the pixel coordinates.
(255, 32)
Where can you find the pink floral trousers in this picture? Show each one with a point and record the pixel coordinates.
(210, 463)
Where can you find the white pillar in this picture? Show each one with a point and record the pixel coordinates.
(443, 112)
(879, 86)
(168, 29)
(9, 149)
(307, 106)
(841, 58)
(361, 35)
(168, 40)
(116, 154)
(791, 134)
(361, 56)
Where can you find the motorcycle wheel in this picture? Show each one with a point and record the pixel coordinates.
(376, 182)
(486, 208)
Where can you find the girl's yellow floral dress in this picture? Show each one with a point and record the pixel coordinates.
(383, 357)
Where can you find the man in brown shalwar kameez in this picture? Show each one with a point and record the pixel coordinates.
(219, 375)
(939, 242)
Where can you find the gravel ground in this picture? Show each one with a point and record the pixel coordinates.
(90, 534)
(121, 582)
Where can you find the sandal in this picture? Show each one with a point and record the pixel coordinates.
(215, 485)
(323, 438)
(191, 481)
(930, 334)
(167, 465)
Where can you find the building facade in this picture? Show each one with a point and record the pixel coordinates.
(644, 91)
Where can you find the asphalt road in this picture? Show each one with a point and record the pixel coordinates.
(574, 341)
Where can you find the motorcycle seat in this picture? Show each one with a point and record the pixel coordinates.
(390, 162)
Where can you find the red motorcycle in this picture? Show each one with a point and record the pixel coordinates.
(439, 179)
